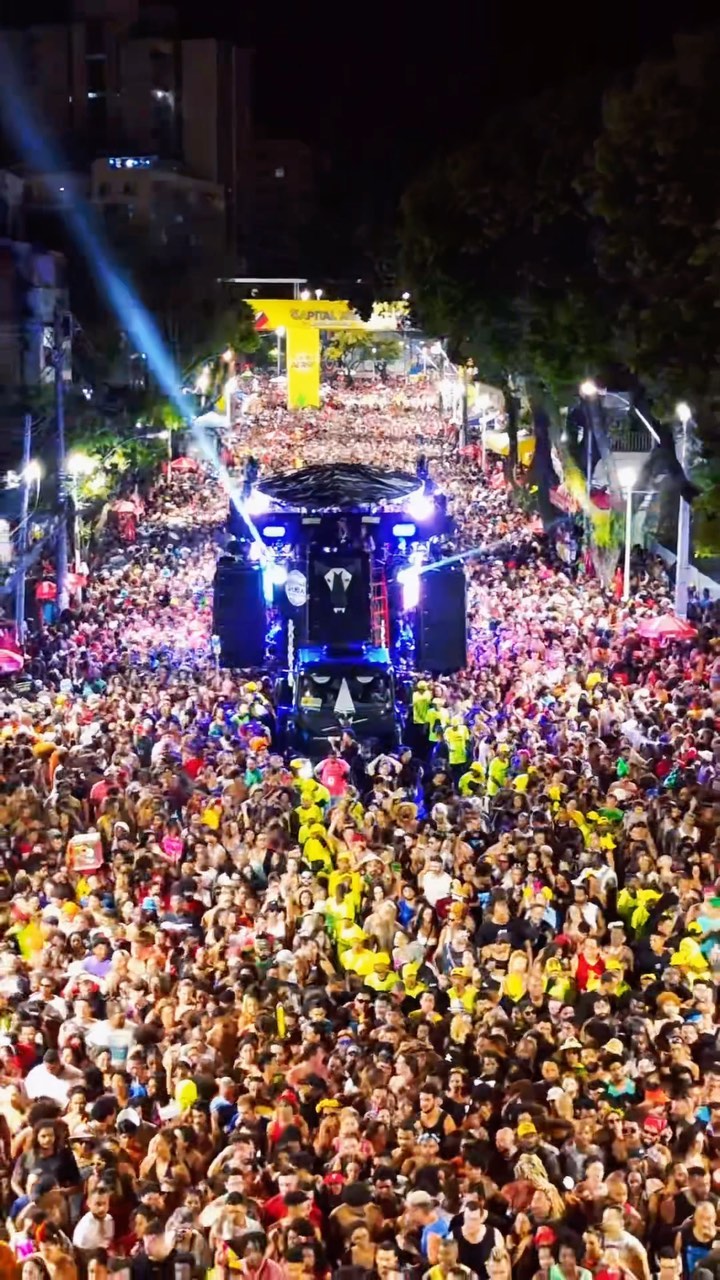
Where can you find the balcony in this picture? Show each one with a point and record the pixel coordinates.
(626, 438)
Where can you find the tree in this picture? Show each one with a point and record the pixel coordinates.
(579, 235)
(652, 183)
(496, 244)
(347, 349)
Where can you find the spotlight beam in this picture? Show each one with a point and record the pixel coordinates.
(20, 121)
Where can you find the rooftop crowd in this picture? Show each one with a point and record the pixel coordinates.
(450, 1012)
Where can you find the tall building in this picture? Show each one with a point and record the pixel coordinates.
(33, 289)
(283, 204)
(117, 81)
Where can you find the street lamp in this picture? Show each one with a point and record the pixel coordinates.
(589, 391)
(202, 385)
(280, 331)
(627, 475)
(78, 464)
(682, 561)
(318, 294)
(305, 295)
(33, 472)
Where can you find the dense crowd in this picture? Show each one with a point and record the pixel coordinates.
(450, 1012)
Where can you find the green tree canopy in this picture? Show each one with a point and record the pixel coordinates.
(348, 349)
(579, 235)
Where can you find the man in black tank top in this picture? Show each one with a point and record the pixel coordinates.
(432, 1117)
(475, 1238)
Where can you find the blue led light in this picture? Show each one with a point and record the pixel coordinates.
(404, 530)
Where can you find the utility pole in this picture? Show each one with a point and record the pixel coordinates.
(23, 531)
(682, 562)
(62, 537)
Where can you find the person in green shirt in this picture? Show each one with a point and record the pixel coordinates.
(438, 717)
(472, 783)
(421, 703)
(457, 739)
(499, 770)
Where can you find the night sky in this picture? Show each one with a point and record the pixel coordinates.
(380, 77)
(379, 89)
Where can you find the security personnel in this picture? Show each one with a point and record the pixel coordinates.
(421, 703)
(438, 717)
(457, 739)
(498, 770)
(472, 783)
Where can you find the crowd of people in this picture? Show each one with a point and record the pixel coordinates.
(447, 1013)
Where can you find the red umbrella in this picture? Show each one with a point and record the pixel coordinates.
(667, 627)
(46, 591)
(184, 464)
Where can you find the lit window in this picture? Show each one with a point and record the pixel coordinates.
(280, 171)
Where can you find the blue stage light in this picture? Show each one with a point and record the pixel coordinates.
(404, 530)
(274, 575)
(274, 531)
(409, 580)
(420, 506)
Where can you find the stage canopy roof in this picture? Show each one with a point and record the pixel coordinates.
(340, 485)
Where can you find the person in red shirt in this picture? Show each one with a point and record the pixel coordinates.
(333, 773)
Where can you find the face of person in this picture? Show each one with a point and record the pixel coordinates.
(98, 1203)
(386, 1261)
(32, 1270)
(447, 1253)
(705, 1220)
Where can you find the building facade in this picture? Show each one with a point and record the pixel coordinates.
(118, 81)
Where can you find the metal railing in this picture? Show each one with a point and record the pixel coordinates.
(634, 440)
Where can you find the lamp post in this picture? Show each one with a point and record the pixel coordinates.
(23, 530)
(280, 331)
(682, 562)
(588, 390)
(78, 464)
(628, 476)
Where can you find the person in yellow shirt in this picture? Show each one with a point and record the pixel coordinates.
(462, 990)
(317, 849)
(344, 874)
(498, 770)
(340, 906)
(472, 783)
(421, 703)
(381, 976)
(358, 958)
(306, 812)
(457, 739)
(409, 974)
(437, 718)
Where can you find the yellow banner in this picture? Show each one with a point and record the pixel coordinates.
(302, 322)
(303, 366)
(275, 313)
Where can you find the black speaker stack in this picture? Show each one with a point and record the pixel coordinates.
(441, 633)
(239, 614)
